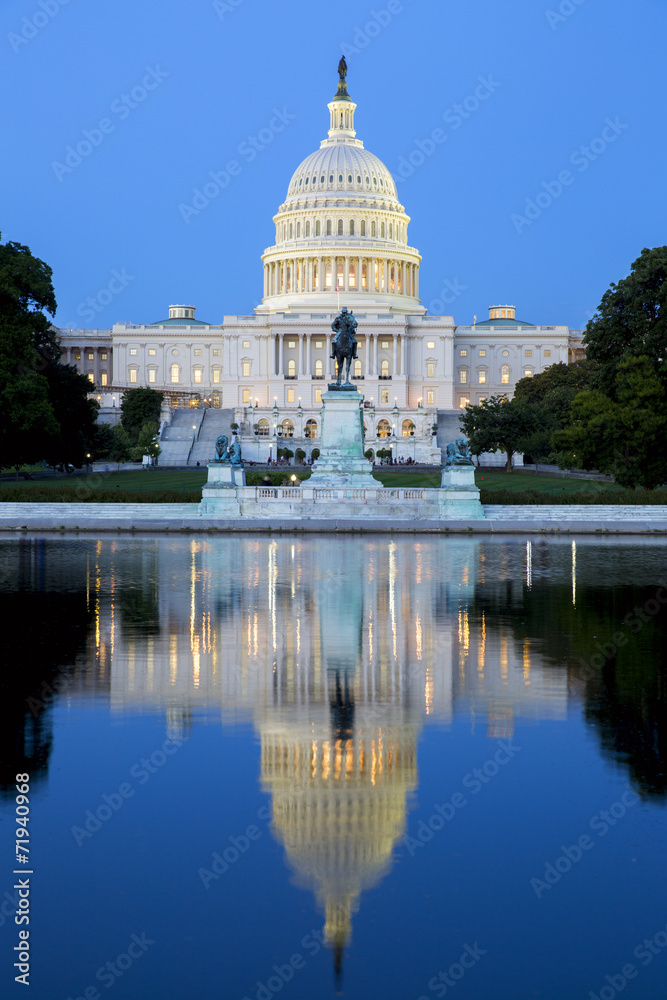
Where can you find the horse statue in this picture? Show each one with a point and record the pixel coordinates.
(458, 453)
(221, 453)
(344, 344)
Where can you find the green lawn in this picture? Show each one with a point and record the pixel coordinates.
(185, 480)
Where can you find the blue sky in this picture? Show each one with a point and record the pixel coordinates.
(545, 183)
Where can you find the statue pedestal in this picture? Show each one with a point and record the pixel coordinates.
(341, 461)
(220, 494)
(224, 476)
(459, 497)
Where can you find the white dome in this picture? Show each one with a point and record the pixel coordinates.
(342, 167)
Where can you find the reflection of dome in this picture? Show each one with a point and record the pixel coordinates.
(341, 226)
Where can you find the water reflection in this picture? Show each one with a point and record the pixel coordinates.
(340, 651)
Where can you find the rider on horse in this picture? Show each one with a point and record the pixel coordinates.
(345, 322)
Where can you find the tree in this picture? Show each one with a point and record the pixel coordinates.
(557, 385)
(27, 345)
(499, 423)
(102, 442)
(631, 319)
(624, 436)
(140, 406)
(147, 442)
(76, 414)
(300, 454)
(120, 445)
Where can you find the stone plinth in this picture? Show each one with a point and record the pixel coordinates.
(459, 497)
(224, 476)
(220, 493)
(341, 461)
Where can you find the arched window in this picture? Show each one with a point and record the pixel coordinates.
(364, 275)
(291, 368)
(340, 227)
(288, 428)
(382, 231)
(328, 227)
(384, 429)
(357, 367)
(174, 374)
(307, 229)
(362, 230)
(351, 227)
(318, 228)
(391, 230)
(372, 229)
(288, 279)
(340, 264)
(318, 369)
(311, 429)
(197, 374)
(353, 275)
(528, 373)
(384, 368)
(291, 230)
(263, 428)
(315, 275)
(327, 275)
(504, 374)
(298, 230)
(408, 429)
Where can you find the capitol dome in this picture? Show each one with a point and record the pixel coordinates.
(341, 233)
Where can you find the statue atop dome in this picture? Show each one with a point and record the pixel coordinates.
(341, 93)
(342, 68)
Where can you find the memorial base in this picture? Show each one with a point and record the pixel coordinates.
(341, 461)
(220, 493)
(459, 497)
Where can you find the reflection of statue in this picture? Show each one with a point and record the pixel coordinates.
(344, 345)
(342, 68)
(458, 453)
(221, 454)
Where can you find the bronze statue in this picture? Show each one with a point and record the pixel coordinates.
(342, 68)
(221, 450)
(344, 344)
(458, 453)
(225, 455)
(234, 453)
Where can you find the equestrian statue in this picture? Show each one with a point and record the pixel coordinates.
(344, 344)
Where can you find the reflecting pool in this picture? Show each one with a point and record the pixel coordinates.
(317, 766)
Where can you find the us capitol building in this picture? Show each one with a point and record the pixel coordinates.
(341, 238)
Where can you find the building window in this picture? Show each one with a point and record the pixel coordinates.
(77, 357)
(384, 368)
(318, 369)
(384, 429)
(290, 395)
(430, 369)
(408, 429)
(353, 276)
(357, 366)
(198, 352)
(482, 353)
(216, 352)
(290, 343)
(246, 369)
(263, 428)
(197, 374)
(246, 395)
(372, 229)
(351, 227)
(174, 352)
(318, 228)
(298, 230)
(287, 428)
(216, 375)
(384, 395)
(463, 352)
(430, 397)
(151, 374)
(291, 368)
(91, 377)
(430, 345)
(311, 429)
(529, 354)
(362, 227)
(318, 343)
(151, 351)
(174, 375)
(504, 374)
(133, 351)
(506, 354)
(327, 275)
(105, 356)
(318, 395)
(547, 354)
(382, 231)
(291, 230)
(90, 356)
(464, 401)
(528, 373)
(329, 224)
(103, 378)
(307, 230)
(133, 374)
(463, 376)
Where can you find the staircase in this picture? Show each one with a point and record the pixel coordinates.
(214, 423)
(176, 440)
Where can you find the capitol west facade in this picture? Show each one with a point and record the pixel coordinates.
(341, 238)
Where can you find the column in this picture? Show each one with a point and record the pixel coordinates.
(281, 354)
(416, 282)
(385, 263)
(294, 285)
(375, 354)
(309, 367)
(346, 274)
(319, 284)
(404, 355)
(358, 278)
(300, 356)
(368, 354)
(394, 369)
(327, 360)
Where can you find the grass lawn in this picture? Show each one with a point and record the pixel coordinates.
(184, 480)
